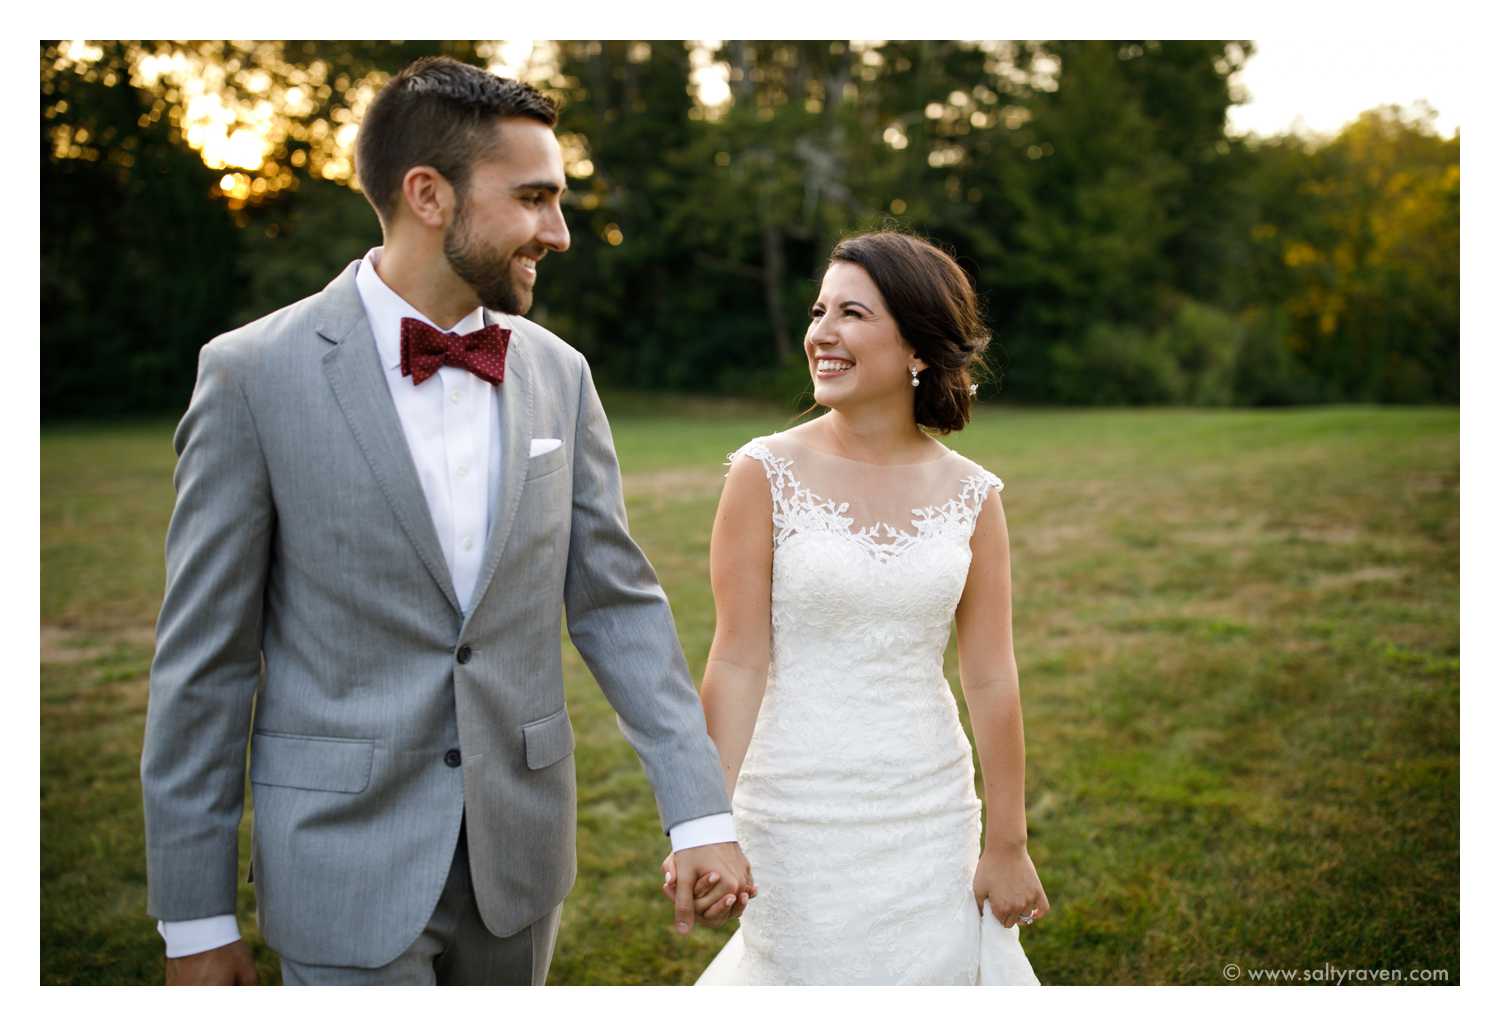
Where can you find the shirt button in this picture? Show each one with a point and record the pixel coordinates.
(455, 396)
(453, 758)
(468, 544)
(463, 470)
(465, 653)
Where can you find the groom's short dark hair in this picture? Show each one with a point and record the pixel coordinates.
(439, 112)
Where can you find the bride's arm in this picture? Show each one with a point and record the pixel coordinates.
(734, 681)
(992, 691)
(991, 682)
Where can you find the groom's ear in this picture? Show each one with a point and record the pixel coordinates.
(427, 196)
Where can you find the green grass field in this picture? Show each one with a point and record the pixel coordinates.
(1238, 641)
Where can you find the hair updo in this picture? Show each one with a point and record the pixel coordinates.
(937, 313)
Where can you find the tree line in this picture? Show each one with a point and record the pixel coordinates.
(1127, 249)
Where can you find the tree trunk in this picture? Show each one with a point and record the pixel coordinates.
(773, 267)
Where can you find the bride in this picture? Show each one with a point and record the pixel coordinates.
(842, 551)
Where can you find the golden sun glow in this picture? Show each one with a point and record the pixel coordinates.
(253, 111)
(243, 107)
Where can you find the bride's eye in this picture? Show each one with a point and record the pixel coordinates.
(815, 312)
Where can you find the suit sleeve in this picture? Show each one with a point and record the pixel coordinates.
(208, 651)
(620, 622)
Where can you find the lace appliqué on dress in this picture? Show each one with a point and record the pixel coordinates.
(796, 508)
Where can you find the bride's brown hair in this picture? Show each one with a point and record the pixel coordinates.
(937, 313)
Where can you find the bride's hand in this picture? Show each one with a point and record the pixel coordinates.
(1008, 879)
(703, 898)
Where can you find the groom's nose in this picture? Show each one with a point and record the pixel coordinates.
(553, 230)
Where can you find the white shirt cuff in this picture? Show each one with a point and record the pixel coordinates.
(192, 936)
(694, 833)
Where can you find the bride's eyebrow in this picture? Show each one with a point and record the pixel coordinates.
(854, 302)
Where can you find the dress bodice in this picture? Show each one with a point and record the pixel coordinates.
(869, 562)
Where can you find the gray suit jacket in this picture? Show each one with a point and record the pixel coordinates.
(309, 612)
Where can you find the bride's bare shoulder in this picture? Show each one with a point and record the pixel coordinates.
(746, 498)
(802, 433)
(967, 466)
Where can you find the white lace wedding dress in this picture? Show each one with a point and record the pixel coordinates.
(856, 803)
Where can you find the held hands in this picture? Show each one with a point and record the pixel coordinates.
(227, 966)
(711, 882)
(1008, 879)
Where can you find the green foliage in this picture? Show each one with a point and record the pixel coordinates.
(137, 262)
(299, 246)
(1202, 356)
(1204, 343)
(1115, 365)
(1357, 241)
(1088, 187)
(1266, 373)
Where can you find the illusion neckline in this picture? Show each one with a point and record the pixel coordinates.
(885, 466)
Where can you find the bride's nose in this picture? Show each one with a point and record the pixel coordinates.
(820, 337)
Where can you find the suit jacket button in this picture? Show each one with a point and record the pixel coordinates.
(452, 758)
(465, 653)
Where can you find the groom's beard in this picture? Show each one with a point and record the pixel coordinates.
(483, 268)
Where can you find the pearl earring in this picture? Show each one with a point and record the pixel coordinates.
(914, 381)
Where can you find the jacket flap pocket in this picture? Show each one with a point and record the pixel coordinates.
(548, 739)
(312, 763)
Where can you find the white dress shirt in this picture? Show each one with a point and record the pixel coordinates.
(451, 423)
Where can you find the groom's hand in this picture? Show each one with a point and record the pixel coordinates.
(725, 871)
(706, 895)
(228, 966)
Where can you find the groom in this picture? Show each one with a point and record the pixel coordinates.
(388, 494)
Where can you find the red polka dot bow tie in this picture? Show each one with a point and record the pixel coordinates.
(424, 349)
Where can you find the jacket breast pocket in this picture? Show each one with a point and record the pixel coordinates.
(311, 763)
(547, 463)
(548, 740)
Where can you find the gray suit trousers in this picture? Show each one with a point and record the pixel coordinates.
(454, 948)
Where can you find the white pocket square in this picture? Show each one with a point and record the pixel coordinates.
(539, 446)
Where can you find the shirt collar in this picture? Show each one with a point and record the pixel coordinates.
(384, 309)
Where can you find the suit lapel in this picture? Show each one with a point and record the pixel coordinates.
(516, 409)
(358, 383)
